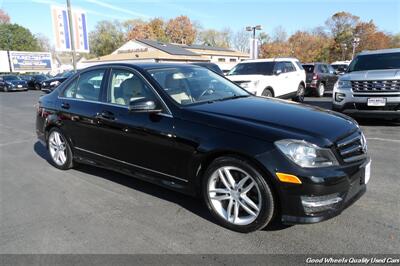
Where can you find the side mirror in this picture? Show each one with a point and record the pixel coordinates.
(143, 106)
(278, 72)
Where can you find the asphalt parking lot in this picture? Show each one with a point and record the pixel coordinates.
(89, 210)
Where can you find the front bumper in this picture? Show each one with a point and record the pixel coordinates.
(346, 182)
(355, 104)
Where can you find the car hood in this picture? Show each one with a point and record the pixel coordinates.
(247, 77)
(61, 79)
(273, 119)
(17, 82)
(372, 75)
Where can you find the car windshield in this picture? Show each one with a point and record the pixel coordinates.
(40, 77)
(11, 77)
(375, 62)
(259, 68)
(190, 85)
(309, 68)
(340, 68)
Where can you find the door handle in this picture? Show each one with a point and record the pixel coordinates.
(105, 115)
(65, 105)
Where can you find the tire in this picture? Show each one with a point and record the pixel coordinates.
(63, 159)
(250, 210)
(5, 89)
(320, 90)
(37, 87)
(267, 93)
(301, 92)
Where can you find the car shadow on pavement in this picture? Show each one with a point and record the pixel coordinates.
(190, 203)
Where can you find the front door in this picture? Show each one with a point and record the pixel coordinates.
(139, 140)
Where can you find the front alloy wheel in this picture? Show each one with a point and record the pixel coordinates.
(237, 195)
(60, 152)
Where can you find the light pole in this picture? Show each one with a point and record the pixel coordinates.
(253, 50)
(71, 32)
(355, 43)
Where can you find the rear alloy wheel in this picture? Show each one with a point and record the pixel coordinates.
(237, 195)
(267, 93)
(321, 90)
(37, 87)
(59, 149)
(300, 94)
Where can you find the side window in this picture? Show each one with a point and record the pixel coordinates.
(87, 86)
(280, 66)
(125, 86)
(299, 65)
(70, 91)
(289, 67)
(331, 70)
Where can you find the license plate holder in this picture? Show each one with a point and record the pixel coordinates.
(376, 102)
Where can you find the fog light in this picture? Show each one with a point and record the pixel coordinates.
(339, 96)
(315, 204)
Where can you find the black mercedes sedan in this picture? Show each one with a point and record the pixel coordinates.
(251, 159)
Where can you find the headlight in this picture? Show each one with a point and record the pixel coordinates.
(251, 84)
(344, 84)
(306, 154)
(54, 83)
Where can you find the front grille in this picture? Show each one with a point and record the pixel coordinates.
(352, 148)
(376, 86)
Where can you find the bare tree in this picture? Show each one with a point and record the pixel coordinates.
(240, 41)
(280, 35)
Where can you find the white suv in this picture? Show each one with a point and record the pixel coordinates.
(275, 77)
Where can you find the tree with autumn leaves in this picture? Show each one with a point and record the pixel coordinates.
(332, 43)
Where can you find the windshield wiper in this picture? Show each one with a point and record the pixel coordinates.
(233, 97)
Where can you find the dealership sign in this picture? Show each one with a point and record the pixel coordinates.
(30, 61)
(62, 31)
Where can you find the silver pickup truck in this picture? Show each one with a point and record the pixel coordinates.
(371, 85)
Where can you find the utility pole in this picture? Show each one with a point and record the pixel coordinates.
(8, 50)
(71, 33)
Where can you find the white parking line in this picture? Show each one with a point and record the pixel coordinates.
(388, 140)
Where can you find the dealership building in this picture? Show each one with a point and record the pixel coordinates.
(154, 51)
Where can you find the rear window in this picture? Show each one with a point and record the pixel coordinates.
(375, 61)
(309, 68)
(259, 68)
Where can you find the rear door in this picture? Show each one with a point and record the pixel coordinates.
(79, 105)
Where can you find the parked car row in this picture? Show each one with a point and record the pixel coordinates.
(20, 82)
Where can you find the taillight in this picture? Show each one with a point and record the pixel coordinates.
(315, 76)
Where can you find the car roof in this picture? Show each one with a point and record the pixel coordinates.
(143, 65)
(275, 59)
(382, 51)
(314, 63)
